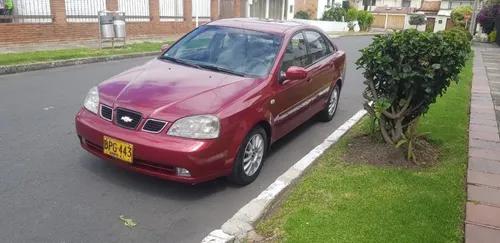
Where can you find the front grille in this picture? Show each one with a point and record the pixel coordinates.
(154, 126)
(106, 112)
(127, 119)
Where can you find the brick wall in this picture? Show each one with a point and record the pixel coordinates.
(61, 30)
(310, 6)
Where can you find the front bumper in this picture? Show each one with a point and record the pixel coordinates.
(157, 155)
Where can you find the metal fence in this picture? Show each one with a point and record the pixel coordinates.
(171, 10)
(26, 11)
(135, 10)
(202, 9)
(83, 10)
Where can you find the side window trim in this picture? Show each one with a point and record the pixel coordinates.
(330, 44)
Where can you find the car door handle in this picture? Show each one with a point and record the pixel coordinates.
(308, 79)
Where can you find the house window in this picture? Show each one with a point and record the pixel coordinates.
(406, 3)
(440, 21)
(201, 8)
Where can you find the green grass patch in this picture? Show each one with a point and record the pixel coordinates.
(340, 202)
(65, 54)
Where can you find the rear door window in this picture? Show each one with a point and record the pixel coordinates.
(318, 47)
(296, 53)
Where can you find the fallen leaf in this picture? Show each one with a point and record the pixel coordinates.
(127, 221)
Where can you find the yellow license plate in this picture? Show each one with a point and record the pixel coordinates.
(118, 149)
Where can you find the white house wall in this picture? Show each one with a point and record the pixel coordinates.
(440, 26)
(321, 8)
(396, 3)
(327, 26)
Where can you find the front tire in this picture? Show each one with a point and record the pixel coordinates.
(250, 157)
(328, 112)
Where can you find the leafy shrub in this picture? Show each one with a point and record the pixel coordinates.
(417, 19)
(405, 72)
(462, 31)
(351, 15)
(365, 20)
(492, 36)
(334, 14)
(302, 15)
(429, 28)
(486, 17)
(458, 15)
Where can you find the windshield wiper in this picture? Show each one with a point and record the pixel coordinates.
(221, 69)
(180, 61)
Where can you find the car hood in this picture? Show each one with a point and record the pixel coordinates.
(163, 90)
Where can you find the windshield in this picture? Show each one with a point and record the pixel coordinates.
(229, 50)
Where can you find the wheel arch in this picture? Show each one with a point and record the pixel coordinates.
(267, 128)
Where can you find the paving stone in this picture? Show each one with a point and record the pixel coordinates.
(482, 116)
(481, 234)
(481, 178)
(484, 165)
(489, 136)
(483, 122)
(485, 153)
(485, 195)
(483, 128)
(480, 108)
(483, 214)
(477, 143)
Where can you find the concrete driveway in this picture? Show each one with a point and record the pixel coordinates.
(53, 191)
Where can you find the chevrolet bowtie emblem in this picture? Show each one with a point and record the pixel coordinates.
(126, 119)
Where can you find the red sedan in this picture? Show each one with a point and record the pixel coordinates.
(212, 104)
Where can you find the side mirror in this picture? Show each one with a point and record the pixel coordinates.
(165, 47)
(295, 73)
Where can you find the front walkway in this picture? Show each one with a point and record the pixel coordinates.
(483, 179)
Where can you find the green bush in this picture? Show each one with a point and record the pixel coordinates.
(458, 13)
(462, 31)
(492, 36)
(405, 72)
(429, 28)
(334, 14)
(302, 15)
(365, 20)
(417, 19)
(351, 15)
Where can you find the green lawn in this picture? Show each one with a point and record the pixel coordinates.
(340, 202)
(64, 54)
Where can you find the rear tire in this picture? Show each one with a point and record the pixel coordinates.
(250, 158)
(330, 109)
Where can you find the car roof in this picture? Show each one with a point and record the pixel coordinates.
(262, 25)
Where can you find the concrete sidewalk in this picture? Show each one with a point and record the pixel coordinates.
(482, 222)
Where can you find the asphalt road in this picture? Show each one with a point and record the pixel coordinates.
(53, 191)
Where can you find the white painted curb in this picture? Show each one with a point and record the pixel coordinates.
(237, 227)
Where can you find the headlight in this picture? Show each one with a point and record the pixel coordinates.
(91, 101)
(198, 127)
